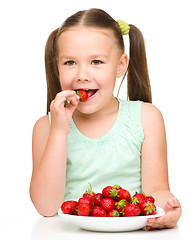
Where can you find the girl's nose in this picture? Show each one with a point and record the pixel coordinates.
(82, 74)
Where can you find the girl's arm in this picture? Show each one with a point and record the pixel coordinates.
(155, 169)
(49, 152)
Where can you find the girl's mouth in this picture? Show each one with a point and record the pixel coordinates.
(91, 92)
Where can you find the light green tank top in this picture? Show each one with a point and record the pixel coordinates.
(114, 158)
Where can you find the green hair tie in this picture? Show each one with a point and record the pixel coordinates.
(124, 27)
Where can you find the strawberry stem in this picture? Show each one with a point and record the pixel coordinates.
(90, 191)
(78, 93)
(90, 186)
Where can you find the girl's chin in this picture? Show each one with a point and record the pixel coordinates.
(86, 109)
(95, 104)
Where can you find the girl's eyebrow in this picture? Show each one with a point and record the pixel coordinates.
(66, 57)
(98, 56)
(91, 56)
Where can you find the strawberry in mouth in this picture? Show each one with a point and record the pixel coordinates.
(85, 94)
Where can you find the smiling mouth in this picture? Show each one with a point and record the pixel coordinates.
(90, 92)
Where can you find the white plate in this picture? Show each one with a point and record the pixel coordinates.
(110, 224)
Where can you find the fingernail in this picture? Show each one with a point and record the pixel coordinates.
(171, 202)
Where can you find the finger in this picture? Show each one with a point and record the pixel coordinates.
(61, 98)
(153, 223)
(172, 203)
(72, 105)
(159, 222)
(66, 93)
(150, 221)
(56, 103)
(168, 220)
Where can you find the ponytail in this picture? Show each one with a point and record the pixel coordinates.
(52, 75)
(138, 84)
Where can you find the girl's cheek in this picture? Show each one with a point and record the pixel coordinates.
(65, 85)
(66, 80)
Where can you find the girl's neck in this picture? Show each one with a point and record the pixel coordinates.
(98, 124)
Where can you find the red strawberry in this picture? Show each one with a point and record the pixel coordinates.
(68, 207)
(82, 94)
(148, 208)
(98, 198)
(113, 213)
(117, 187)
(85, 200)
(109, 192)
(150, 199)
(123, 194)
(107, 204)
(119, 206)
(97, 211)
(131, 211)
(89, 194)
(138, 198)
(84, 209)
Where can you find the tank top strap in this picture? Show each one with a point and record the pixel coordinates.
(131, 117)
(49, 115)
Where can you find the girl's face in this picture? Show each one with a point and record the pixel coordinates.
(89, 59)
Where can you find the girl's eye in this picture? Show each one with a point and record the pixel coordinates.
(96, 62)
(70, 63)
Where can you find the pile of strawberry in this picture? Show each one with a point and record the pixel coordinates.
(114, 201)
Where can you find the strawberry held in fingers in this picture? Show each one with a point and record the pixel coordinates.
(82, 94)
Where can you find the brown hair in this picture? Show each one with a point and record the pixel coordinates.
(138, 84)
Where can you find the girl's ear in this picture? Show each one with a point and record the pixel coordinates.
(123, 65)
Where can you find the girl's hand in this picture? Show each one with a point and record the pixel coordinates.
(61, 115)
(172, 214)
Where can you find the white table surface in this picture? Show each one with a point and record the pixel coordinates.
(36, 227)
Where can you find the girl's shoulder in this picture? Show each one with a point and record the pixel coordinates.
(151, 117)
(41, 127)
(149, 111)
(42, 122)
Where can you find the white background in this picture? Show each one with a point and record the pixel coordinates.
(25, 26)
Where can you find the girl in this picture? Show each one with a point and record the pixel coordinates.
(103, 140)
